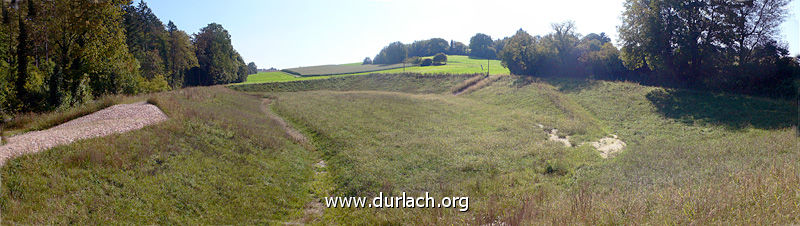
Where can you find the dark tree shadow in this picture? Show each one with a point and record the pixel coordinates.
(732, 111)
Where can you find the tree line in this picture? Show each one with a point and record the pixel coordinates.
(728, 46)
(55, 54)
(481, 46)
(707, 44)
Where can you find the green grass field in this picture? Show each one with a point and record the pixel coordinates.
(339, 69)
(220, 160)
(455, 65)
(686, 159)
(277, 76)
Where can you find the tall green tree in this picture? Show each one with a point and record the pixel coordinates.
(423, 48)
(147, 39)
(180, 56)
(704, 43)
(519, 53)
(437, 45)
(23, 51)
(564, 42)
(252, 68)
(394, 53)
(458, 48)
(481, 46)
(218, 62)
(89, 51)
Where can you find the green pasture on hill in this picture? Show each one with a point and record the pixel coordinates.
(455, 65)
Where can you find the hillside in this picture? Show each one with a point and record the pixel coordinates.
(455, 65)
(487, 144)
(339, 69)
(217, 160)
(220, 160)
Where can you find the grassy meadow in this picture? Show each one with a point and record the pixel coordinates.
(277, 76)
(691, 157)
(687, 161)
(340, 69)
(455, 65)
(217, 160)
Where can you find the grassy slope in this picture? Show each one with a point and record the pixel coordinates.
(686, 161)
(693, 157)
(276, 76)
(455, 65)
(218, 160)
(410, 83)
(339, 69)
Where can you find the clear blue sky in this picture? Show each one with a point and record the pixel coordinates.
(291, 33)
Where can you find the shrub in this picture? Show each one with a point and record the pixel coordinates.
(426, 62)
(367, 61)
(440, 59)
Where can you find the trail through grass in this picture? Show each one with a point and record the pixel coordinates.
(217, 160)
(680, 165)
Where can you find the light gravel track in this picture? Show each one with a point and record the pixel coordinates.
(112, 120)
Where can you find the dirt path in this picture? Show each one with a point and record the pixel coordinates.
(115, 119)
(292, 133)
(313, 209)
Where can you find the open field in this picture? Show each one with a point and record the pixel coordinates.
(682, 164)
(339, 69)
(277, 76)
(455, 65)
(220, 160)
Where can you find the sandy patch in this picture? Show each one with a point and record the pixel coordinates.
(554, 137)
(609, 145)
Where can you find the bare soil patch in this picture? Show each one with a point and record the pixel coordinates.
(608, 145)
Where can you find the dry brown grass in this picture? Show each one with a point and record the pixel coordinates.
(458, 89)
(746, 198)
(470, 86)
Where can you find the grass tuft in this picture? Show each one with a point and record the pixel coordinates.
(26, 122)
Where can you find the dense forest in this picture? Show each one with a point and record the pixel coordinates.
(55, 54)
(723, 46)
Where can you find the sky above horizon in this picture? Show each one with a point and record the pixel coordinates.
(287, 34)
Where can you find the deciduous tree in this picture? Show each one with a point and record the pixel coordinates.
(481, 46)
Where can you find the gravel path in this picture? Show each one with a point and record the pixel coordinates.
(115, 119)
